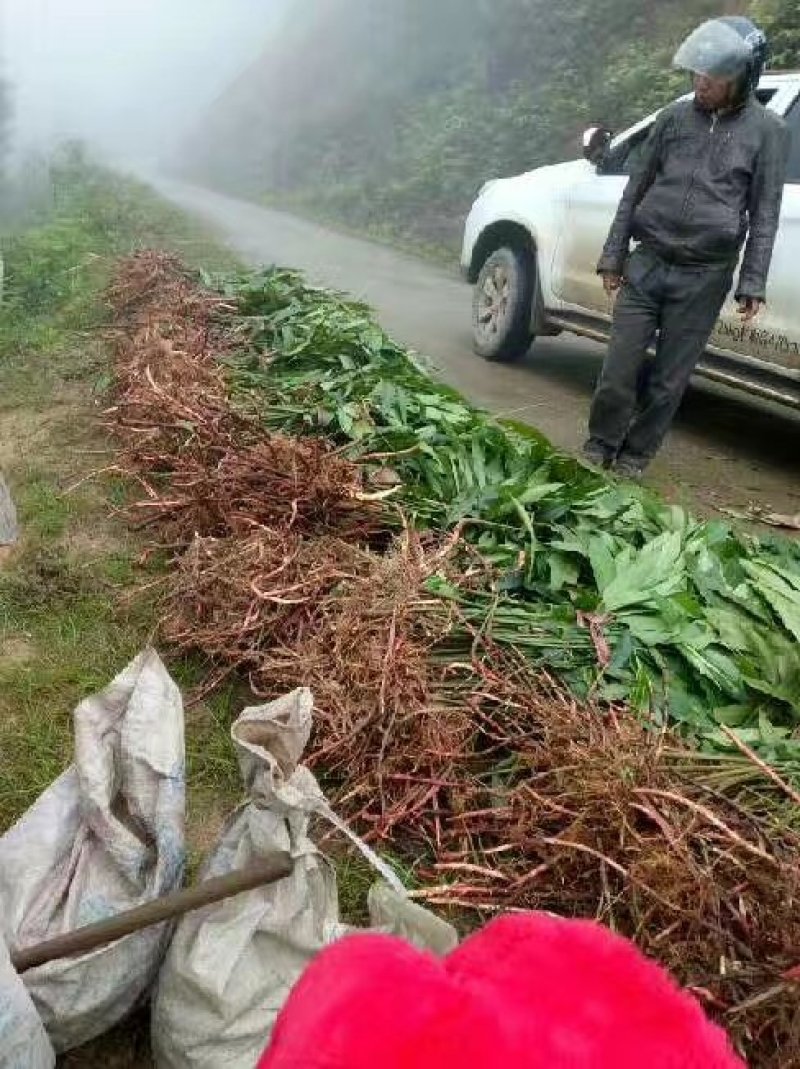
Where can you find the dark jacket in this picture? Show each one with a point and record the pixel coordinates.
(704, 184)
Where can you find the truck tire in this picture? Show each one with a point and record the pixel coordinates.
(501, 309)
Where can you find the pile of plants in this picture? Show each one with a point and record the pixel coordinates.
(541, 689)
(690, 622)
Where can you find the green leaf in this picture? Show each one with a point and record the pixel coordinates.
(734, 716)
(656, 569)
(718, 667)
(784, 597)
(602, 562)
(564, 571)
(769, 732)
(535, 494)
(648, 628)
(478, 464)
(733, 629)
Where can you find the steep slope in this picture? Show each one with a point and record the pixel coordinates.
(389, 117)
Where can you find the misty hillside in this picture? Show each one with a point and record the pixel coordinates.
(5, 118)
(389, 116)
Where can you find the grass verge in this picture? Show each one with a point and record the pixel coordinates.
(67, 623)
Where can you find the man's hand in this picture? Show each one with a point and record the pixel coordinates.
(611, 282)
(749, 307)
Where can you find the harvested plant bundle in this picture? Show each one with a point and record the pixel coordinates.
(697, 624)
(206, 467)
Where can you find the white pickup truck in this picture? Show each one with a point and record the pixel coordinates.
(532, 244)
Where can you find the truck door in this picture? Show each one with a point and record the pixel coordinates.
(775, 335)
(590, 210)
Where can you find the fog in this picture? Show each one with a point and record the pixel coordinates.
(130, 77)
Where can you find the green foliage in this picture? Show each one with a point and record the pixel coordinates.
(414, 105)
(781, 20)
(702, 623)
(80, 218)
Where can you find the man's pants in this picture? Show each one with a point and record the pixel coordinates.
(635, 403)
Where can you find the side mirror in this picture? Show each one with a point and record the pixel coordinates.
(596, 141)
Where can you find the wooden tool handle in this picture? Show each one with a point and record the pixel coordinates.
(83, 940)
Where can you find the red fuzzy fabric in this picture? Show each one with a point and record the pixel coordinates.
(529, 992)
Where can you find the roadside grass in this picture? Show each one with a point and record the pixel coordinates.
(68, 622)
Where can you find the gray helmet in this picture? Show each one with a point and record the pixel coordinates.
(731, 48)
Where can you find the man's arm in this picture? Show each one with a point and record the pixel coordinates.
(619, 239)
(764, 208)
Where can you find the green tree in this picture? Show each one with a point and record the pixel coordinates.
(781, 20)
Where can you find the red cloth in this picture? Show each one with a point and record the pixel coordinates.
(528, 992)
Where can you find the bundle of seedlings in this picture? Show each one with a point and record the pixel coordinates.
(585, 811)
(234, 598)
(696, 623)
(207, 467)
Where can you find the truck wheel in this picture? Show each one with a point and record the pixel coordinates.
(501, 310)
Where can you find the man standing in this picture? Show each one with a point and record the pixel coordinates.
(710, 179)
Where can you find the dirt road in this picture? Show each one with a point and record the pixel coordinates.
(727, 451)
